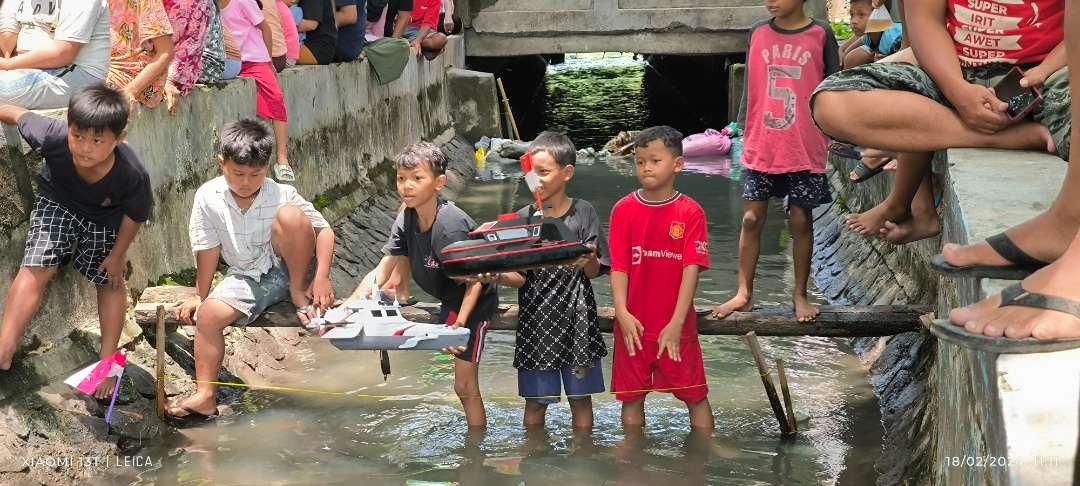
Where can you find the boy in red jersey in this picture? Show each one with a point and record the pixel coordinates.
(658, 245)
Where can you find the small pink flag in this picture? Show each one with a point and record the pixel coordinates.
(87, 379)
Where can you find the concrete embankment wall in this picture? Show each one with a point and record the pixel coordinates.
(344, 131)
(953, 415)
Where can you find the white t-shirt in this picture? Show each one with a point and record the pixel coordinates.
(39, 22)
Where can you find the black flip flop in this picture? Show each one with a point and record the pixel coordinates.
(845, 150)
(1022, 266)
(864, 173)
(1014, 295)
(192, 419)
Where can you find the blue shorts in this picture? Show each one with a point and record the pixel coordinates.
(549, 384)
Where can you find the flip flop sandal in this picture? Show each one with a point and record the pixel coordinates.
(845, 150)
(1022, 265)
(192, 419)
(864, 173)
(1012, 296)
(305, 311)
(284, 173)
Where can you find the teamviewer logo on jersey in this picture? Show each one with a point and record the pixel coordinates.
(635, 255)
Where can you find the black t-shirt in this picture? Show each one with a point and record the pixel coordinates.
(557, 322)
(451, 225)
(124, 190)
(322, 42)
(392, 9)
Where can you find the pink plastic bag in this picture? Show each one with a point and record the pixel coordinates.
(711, 142)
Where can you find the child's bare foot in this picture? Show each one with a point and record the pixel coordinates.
(1045, 237)
(914, 229)
(105, 388)
(986, 317)
(203, 404)
(740, 303)
(871, 222)
(804, 311)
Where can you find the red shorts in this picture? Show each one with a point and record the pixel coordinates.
(641, 373)
(269, 102)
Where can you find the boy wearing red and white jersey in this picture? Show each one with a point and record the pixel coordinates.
(658, 244)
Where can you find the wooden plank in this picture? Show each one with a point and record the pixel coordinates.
(766, 381)
(834, 321)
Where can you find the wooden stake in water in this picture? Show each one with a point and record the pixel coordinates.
(788, 407)
(506, 106)
(766, 380)
(160, 344)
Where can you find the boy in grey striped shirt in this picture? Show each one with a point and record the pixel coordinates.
(267, 233)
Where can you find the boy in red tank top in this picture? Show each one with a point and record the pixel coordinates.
(658, 244)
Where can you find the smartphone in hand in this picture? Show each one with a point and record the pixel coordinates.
(1021, 100)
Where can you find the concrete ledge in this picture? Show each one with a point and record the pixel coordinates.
(1018, 410)
(938, 400)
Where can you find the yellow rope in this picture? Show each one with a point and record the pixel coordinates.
(288, 389)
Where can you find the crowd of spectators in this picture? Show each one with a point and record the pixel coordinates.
(156, 51)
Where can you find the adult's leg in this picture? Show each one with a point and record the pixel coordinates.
(36, 89)
(903, 121)
(293, 239)
(1062, 277)
(210, 322)
(23, 300)
(801, 223)
(749, 250)
(112, 306)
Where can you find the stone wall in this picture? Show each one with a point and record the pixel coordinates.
(344, 129)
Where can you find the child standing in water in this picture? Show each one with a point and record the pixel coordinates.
(783, 151)
(426, 226)
(559, 344)
(659, 243)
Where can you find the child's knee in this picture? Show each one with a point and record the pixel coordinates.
(214, 315)
(290, 218)
(466, 385)
(752, 222)
(800, 222)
